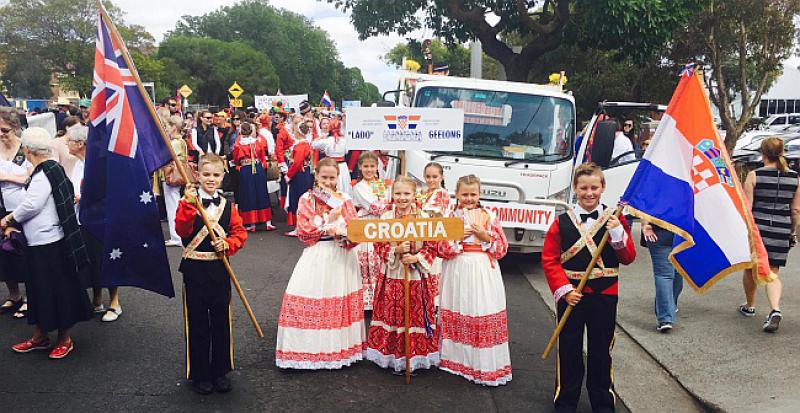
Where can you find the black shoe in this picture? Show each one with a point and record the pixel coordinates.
(664, 327)
(773, 321)
(222, 384)
(747, 311)
(202, 387)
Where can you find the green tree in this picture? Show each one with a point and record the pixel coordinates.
(742, 44)
(303, 55)
(60, 35)
(455, 55)
(640, 25)
(26, 80)
(211, 66)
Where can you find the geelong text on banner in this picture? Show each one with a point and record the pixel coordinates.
(527, 216)
(393, 230)
(405, 128)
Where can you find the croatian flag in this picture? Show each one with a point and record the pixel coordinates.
(686, 184)
(124, 148)
(326, 100)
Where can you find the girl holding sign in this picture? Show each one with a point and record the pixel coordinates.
(371, 198)
(321, 324)
(386, 339)
(472, 313)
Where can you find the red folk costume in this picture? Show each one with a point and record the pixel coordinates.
(371, 199)
(300, 177)
(283, 148)
(321, 324)
(472, 313)
(206, 285)
(566, 253)
(386, 339)
(436, 203)
(250, 157)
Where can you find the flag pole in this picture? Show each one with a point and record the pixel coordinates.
(584, 279)
(115, 34)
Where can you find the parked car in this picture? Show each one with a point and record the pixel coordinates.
(779, 120)
(752, 136)
(747, 158)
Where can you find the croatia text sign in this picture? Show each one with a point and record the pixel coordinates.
(405, 128)
(395, 230)
(527, 216)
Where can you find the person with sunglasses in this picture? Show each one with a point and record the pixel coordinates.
(14, 171)
(206, 138)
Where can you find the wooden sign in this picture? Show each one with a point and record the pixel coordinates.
(394, 230)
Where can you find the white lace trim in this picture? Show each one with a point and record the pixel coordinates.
(499, 382)
(318, 365)
(399, 364)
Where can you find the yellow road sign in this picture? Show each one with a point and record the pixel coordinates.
(237, 103)
(185, 91)
(388, 230)
(235, 90)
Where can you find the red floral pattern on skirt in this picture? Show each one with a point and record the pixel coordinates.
(370, 267)
(321, 313)
(319, 357)
(484, 376)
(389, 309)
(476, 331)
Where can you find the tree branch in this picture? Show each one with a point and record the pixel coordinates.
(476, 23)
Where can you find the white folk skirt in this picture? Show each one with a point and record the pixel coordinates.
(321, 324)
(472, 320)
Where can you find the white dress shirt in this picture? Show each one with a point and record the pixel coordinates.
(37, 213)
(622, 145)
(617, 234)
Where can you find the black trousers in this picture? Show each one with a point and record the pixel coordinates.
(597, 313)
(207, 319)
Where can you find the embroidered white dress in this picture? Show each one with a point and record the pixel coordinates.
(371, 200)
(321, 324)
(335, 147)
(472, 315)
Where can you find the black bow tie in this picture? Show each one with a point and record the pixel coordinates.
(594, 215)
(208, 201)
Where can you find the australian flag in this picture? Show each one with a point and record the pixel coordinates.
(124, 148)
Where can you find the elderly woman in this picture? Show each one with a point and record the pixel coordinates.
(56, 252)
(76, 143)
(14, 171)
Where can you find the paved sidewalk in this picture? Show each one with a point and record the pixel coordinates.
(719, 356)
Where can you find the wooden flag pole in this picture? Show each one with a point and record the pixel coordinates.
(584, 279)
(115, 35)
(407, 317)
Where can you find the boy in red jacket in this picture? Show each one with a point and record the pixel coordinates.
(566, 253)
(206, 284)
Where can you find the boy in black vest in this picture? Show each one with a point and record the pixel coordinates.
(566, 253)
(206, 286)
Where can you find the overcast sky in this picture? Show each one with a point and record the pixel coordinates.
(159, 16)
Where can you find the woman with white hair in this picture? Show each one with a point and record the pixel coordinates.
(56, 252)
(14, 171)
(76, 144)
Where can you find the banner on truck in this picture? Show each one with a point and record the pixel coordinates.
(389, 129)
(527, 216)
(289, 101)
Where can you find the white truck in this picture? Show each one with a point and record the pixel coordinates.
(518, 138)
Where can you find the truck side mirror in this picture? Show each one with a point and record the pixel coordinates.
(385, 104)
(603, 143)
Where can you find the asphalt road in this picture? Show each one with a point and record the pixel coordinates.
(137, 363)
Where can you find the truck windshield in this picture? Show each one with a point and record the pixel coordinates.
(507, 125)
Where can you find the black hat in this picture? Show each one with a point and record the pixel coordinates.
(304, 107)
